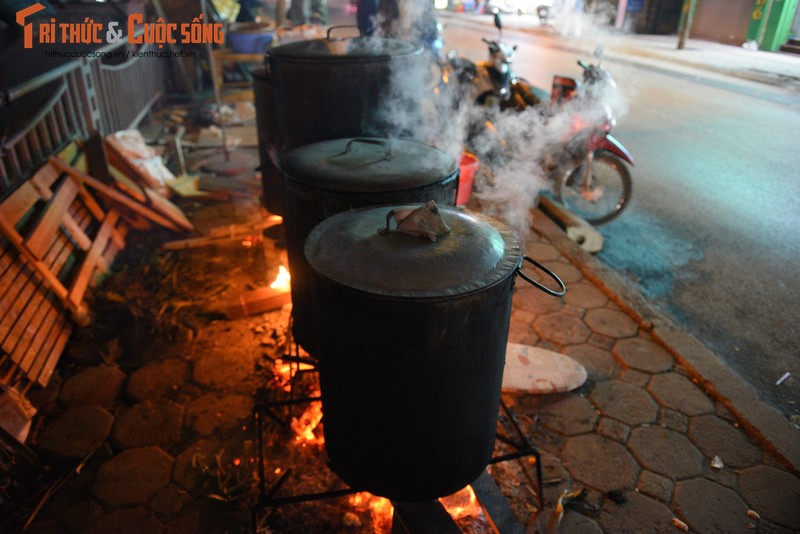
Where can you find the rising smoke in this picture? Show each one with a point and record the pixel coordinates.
(518, 150)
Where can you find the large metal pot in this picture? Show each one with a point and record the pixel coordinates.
(412, 339)
(325, 178)
(271, 180)
(335, 88)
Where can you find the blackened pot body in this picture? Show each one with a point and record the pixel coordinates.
(411, 374)
(334, 88)
(322, 181)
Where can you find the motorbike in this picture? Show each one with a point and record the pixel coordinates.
(589, 167)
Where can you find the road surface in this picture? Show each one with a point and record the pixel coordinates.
(711, 233)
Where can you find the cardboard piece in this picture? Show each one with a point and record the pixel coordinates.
(539, 371)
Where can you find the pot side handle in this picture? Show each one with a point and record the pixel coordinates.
(329, 37)
(548, 272)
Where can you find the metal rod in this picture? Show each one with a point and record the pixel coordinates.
(294, 499)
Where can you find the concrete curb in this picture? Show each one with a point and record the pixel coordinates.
(758, 418)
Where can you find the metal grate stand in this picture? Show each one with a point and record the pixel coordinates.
(489, 495)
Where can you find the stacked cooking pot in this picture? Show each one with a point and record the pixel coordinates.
(409, 332)
(322, 89)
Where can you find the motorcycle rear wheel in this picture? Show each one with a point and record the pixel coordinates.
(608, 194)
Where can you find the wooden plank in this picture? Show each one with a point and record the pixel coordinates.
(33, 349)
(56, 255)
(17, 278)
(162, 205)
(125, 184)
(76, 231)
(19, 203)
(59, 341)
(16, 311)
(43, 181)
(39, 240)
(26, 327)
(95, 253)
(54, 283)
(115, 195)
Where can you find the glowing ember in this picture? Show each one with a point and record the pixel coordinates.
(283, 280)
(284, 371)
(304, 425)
(380, 510)
(250, 241)
(461, 504)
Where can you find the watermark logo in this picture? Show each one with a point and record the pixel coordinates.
(27, 29)
(139, 32)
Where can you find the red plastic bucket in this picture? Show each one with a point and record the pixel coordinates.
(467, 167)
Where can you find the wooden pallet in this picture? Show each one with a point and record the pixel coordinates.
(57, 241)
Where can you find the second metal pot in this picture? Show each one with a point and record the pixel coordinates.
(326, 178)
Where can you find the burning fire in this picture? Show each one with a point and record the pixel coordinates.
(463, 503)
(305, 425)
(380, 510)
(283, 280)
(460, 505)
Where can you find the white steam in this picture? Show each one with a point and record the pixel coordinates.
(517, 150)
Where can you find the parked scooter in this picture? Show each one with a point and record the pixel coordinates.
(589, 167)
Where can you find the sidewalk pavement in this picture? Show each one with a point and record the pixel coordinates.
(780, 69)
(662, 435)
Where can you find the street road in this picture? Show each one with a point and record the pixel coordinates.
(711, 236)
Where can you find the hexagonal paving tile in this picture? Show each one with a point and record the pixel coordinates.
(540, 251)
(570, 415)
(638, 513)
(531, 299)
(229, 367)
(94, 385)
(665, 452)
(679, 393)
(149, 423)
(521, 331)
(757, 485)
(611, 323)
(77, 430)
(655, 486)
(599, 462)
(643, 354)
(129, 520)
(567, 272)
(561, 329)
(157, 379)
(599, 363)
(625, 402)
(708, 507)
(585, 295)
(217, 412)
(716, 437)
(133, 476)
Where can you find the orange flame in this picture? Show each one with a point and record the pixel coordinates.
(284, 371)
(305, 425)
(380, 510)
(283, 280)
(463, 503)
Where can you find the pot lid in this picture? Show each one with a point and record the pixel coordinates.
(368, 165)
(352, 249)
(354, 48)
